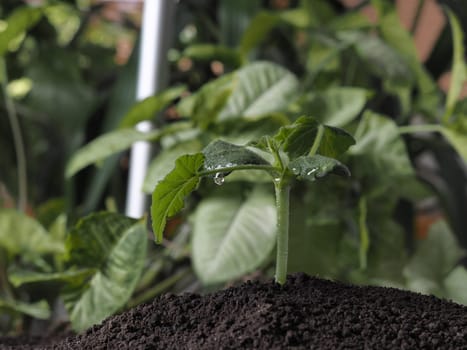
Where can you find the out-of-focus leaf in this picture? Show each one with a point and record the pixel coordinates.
(38, 309)
(115, 246)
(20, 234)
(169, 195)
(18, 277)
(457, 139)
(380, 157)
(401, 40)
(149, 107)
(256, 32)
(336, 106)
(262, 88)
(209, 52)
(209, 102)
(455, 285)
(232, 237)
(459, 73)
(106, 145)
(17, 23)
(434, 259)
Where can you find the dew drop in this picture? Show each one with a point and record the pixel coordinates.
(219, 179)
(311, 171)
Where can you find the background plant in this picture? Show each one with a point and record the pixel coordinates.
(251, 69)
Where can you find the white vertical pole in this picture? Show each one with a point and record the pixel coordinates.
(152, 69)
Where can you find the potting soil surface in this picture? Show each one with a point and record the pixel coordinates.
(305, 313)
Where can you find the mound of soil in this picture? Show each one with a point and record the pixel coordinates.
(306, 313)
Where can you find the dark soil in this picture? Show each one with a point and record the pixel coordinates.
(307, 313)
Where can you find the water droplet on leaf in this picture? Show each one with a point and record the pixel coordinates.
(219, 179)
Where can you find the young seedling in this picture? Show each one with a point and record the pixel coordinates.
(305, 150)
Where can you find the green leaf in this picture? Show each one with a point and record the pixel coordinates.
(262, 88)
(458, 74)
(315, 167)
(434, 258)
(298, 138)
(457, 139)
(165, 161)
(257, 31)
(149, 107)
(22, 235)
(18, 277)
(336, 106)
(115, 246)
(206, 105)
(168, 196)
(382, 60)
(38, 309)
(210, 52)
(380, 158)
(334, 142)
(91, 240)
(455, 285)
(232, 237)
(220, 154)
(106, 145)
(402, 41)
(17, 23)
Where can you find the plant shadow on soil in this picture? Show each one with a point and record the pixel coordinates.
(306, 313)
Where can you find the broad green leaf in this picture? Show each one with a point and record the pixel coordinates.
(38, 309)
(91, 240)
(336, 106)
(18, 277)
(457, 139)
(117, 250)
(165, 161)
(379, 157)
(149, 107)
(334, 142)
(259, 28)
(296, 17)
(209, 52)
(434, 258)
(22, 235)
(455, 285)
(221, 154)
(298, 138)
(17, 23)
(350, 21)
(458, 73)
(106, 145)
(262, 88)
(231, 236)
(382, 60)
(210, 100)
(168, 196)
(401, 40)
(315, 167)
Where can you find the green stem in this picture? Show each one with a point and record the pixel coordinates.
(17, 139)
(419, 128)
(282, 204)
